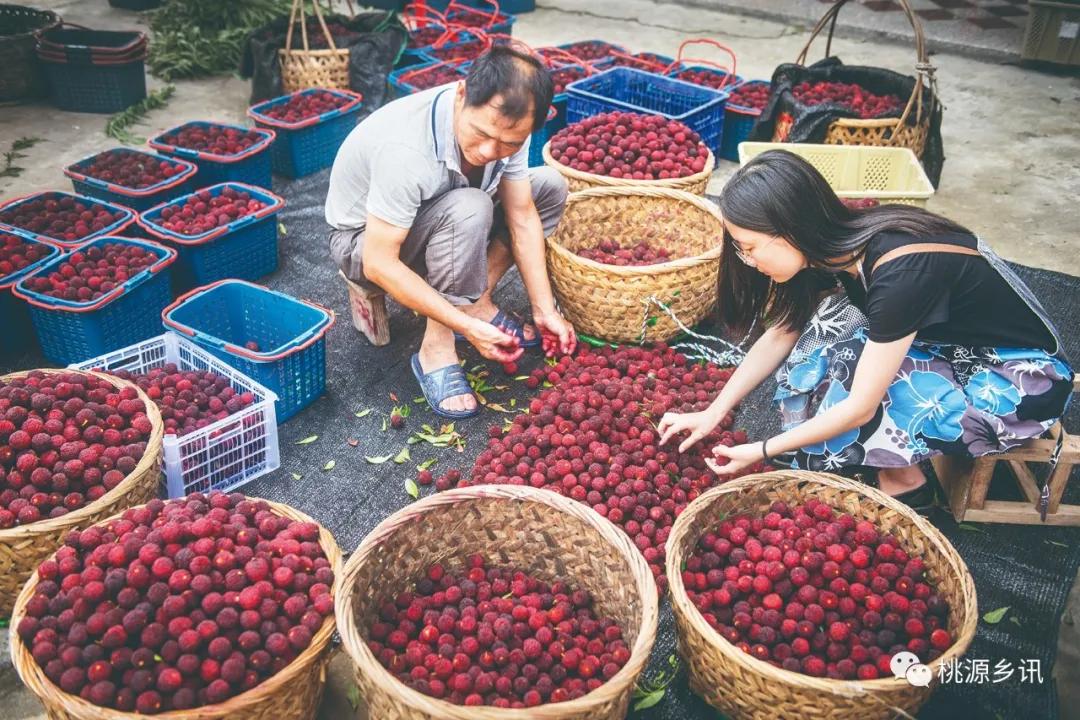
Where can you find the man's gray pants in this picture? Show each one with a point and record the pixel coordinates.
(448, 241)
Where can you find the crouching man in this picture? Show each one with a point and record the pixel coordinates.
(432, 200)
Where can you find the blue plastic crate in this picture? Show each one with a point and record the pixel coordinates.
(556, 121)
(9, 217)
(93, 88)
(252, 166)
(438, 54)
(14, 313)
(290, 333)
(701, 109)
(308, 146)
(70, 331)
(137, 199)
(738, 122)
(399, 79)
(246, 248)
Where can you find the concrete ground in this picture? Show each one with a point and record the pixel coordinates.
(1012, 172)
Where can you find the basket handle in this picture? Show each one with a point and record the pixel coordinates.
(454, 31)
(491, 17)
(415, 15)
(653, 66)
(680, 59)
(557, 53)
(923, 66)
(298, 11)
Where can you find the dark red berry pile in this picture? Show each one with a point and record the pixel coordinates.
(860, 203)
(591, 436)
(815, 591)
(213, 139)
(706, 78)
(86, 275)
(590, 49)
(343, 36)
(475, 18)
(468, 50)
(202, 211)
(566, 75)
(628, 145)
(178, 604)
(649, 62)
(864, 102)
(16, 253)
(497, 636)
(130, 169)
(609, 253)
(750, 96)
(432, 77)
(65, 440)
(425, 36)
(302, 106)
(61, 217)
(189, 400)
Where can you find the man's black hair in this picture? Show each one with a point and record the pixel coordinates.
(521, 82)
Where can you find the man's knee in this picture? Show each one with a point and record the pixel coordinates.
(469, 210)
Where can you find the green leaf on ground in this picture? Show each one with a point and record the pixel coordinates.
(363, 413)
(378, 459)
(1055, 542)
(649, 699)
(308, 440)
(426, 464)
(329, 466)
(353, 696)
(521, 377)
(402, 456)
(281, 229)
(420, 400)
(384, 425)
(1015, 621)
(296, 476)
(995, 616)
(411, 488)
(970, 528)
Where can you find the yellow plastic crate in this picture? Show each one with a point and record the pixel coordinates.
(886, 174)
(1053, 33)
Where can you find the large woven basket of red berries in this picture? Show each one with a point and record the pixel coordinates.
(75, 447)
(497, 602)
(620, 148)
(621, 250)
(211, 606)
(801, 594)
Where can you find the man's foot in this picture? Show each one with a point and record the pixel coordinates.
(432, 359)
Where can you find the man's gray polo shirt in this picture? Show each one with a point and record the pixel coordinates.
(403, 154)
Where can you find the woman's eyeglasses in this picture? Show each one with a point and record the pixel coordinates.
(744, 256)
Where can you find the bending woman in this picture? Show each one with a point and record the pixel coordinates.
(932, 344)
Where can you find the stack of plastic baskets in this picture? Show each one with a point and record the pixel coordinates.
(229, 317)
(251, 166)
(17, 213)
(309, 145)
(135, 198)
(647, 61)
(492, 19)
(245, 248)
(73, 330)
(597, 53)
(738, 122)
(14, 316)
(415, 78)
(98, 71)
(629, 90)
(223, 455)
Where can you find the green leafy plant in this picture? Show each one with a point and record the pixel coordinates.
(10, 169)
(119, 124)
(649, 692)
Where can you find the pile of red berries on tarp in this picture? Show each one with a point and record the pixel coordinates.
(202, 211)
(130, 169)
(190, 400)
(850, 95)
(66, 439)
(591, 435)
(214, 139)
(17, 254)
(631, 146)
(86, 275)
(302, 106)
(496, 636)
(815, 591)
(61, 217)
(178, 604)
(609, 253)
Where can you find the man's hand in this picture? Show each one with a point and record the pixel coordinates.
(557, 334)
(491, 342)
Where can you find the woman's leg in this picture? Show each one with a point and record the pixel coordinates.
(897, 481)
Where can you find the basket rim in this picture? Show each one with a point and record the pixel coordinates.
(606, 181)
(51, 19)
(682, 606)
(364, 661)
(34, 677)
(676, 265)
(149, 459)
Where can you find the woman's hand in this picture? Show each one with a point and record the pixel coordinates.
(698, 424)
(738, 457)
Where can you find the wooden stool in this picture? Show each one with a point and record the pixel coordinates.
(368, 308)
(966, 481)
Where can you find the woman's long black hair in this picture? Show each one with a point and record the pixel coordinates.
(779, 193)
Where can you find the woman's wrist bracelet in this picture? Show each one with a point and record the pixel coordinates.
(764, 450)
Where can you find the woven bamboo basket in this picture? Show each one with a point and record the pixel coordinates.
(614, 302)
(292, 694)
(24, 547)
(882, 132)
(307, 68)
(578, 180)
(538, 531)
(740, 685)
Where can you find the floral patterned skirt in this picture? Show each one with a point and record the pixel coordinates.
(946, 399)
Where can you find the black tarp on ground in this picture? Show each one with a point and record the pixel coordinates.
(1027, 568)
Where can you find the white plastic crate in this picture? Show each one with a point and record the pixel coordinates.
(221, 456)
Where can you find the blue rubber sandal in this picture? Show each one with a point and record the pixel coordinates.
(443, 383)
(512, 325)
